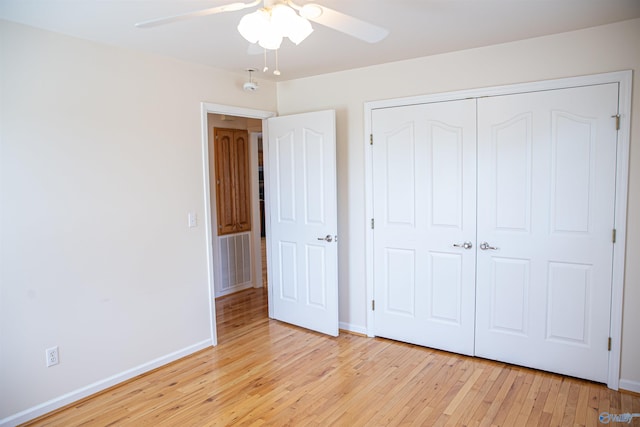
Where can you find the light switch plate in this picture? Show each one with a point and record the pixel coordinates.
(192, 219)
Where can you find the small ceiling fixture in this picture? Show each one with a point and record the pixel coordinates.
(250, 86)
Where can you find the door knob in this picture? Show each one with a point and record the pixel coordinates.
(328, 238)
(485, 246)
(466, 245)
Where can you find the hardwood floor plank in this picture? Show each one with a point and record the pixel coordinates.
(558, 410)
(473, 401)
(520, 397)
(499, 400)
(268, 373)
(527, 405)
(581, 406)
(540, 401)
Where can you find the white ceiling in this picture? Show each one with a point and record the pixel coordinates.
(417, 28)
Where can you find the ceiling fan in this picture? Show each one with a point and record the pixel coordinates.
(280, 11)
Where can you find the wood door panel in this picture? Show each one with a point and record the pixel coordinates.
(233, 197)
(242, 176)
(224, 181)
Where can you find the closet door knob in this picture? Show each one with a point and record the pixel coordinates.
(466, 245)
(485, 246)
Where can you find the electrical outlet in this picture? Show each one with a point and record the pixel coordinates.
(52, 356)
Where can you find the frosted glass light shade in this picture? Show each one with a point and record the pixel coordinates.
(253, 25)
(269, 27)
(299, 30)
(271, 37)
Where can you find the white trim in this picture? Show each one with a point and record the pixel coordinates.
(619, 248)
(368, 202)
(235, 289)
(629, 385)
(624, 79)
(589, 80)
(98, 386)
(255, 209)
(267, 210)
(207, 108)
(207, 221)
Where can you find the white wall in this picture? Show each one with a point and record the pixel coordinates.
(100, 162)
(595, 50)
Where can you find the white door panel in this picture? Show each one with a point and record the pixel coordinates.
(302, 202)
(424, 202)
(546, 186)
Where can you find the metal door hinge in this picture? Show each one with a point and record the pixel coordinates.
(373, 305)
(613, 236)
(617, 117)
(372, 223)
(609, 344)
(370, 139)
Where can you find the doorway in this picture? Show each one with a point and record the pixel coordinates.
(233, 116)
(301, 148)
(235, 149)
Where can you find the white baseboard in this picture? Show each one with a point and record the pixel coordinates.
(66, 399)
(353, 328)
(629, 385)
(236, 288)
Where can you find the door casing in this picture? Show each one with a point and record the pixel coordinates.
(624, 79)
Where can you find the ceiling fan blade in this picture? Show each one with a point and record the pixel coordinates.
(210, 11)
(344, 23)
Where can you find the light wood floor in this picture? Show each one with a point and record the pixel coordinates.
(264, 372)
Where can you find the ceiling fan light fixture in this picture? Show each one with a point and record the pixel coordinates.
(299, 30)
(268, 27)
(253, 25)
(271, 37)
(281, 15)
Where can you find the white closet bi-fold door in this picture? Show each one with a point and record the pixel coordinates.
(493, 226)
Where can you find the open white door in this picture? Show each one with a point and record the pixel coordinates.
(302, 214)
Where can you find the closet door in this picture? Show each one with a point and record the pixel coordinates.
(546, 186)
(424, 169)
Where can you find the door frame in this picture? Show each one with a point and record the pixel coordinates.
(206, 108)
(624, 79)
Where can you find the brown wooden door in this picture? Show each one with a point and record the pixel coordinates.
(232, 180)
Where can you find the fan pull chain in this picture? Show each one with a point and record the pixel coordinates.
(277, 70)
(265, 69)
